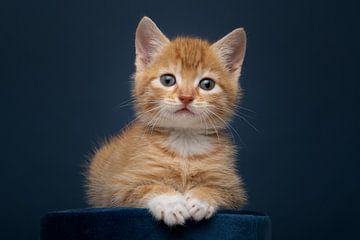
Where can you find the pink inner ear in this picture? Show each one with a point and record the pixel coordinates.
(231, 49)
(148, 41)
(145, 60)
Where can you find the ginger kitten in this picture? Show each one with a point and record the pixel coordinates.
(175, 158)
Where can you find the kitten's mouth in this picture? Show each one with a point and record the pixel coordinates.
(184, 111)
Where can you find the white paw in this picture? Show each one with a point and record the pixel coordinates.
(169, 208)
(198, 209)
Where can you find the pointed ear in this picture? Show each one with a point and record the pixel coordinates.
(231, 50)
(148, 42)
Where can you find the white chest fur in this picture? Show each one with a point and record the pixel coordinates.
(187, 143)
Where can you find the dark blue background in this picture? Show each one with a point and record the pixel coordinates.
(66, 65)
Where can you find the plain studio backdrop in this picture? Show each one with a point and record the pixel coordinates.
(65, 67)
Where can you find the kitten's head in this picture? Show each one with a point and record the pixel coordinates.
(186, 82)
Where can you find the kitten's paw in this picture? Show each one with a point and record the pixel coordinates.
(169, 208)
(199, 209)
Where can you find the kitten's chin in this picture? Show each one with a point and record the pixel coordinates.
(183, 120)
(183, 110)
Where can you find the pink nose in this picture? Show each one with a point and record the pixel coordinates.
(186, 99)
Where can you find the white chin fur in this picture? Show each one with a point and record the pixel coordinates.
(187, 143)
(183, 121)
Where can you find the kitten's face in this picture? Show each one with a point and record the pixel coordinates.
(184, 83)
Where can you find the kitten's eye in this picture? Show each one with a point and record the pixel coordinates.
(207, 84)
(167, 80)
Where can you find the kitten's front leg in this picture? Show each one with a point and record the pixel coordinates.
(219, 191)
(170, 208)
(199, 204)
(163, 202)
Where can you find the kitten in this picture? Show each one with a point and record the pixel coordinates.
(175, 158)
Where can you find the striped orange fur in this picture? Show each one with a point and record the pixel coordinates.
(175, 158)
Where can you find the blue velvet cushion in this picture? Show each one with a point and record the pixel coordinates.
(135, 223)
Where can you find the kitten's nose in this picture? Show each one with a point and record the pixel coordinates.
(186, 99)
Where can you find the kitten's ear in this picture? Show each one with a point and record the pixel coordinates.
(148, 42)
(231, 50)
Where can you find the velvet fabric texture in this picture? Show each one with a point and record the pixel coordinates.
(136, 223)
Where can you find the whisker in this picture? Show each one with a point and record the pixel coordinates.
(242, 117)
(237, 113)
(249, 123)
(246, 109)
(124, 104)
(216, 131)
(158, 117)
(227, 125)
(202, 117)
(139, 115)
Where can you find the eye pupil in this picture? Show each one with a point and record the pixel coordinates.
(207, 84)
(167, 80)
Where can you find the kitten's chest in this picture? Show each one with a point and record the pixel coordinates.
(186, 143)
